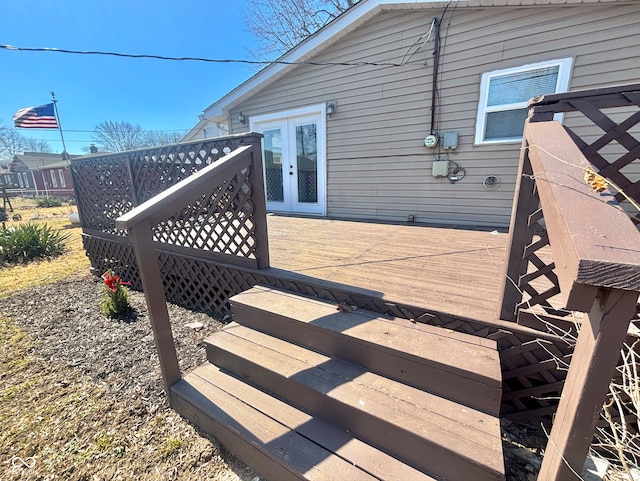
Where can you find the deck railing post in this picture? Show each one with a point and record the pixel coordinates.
(519, 237)
(259, 200)
(593, 365)
(139, 224)
(141, 236)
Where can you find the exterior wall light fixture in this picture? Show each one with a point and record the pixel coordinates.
(242, 119)
(331, 107)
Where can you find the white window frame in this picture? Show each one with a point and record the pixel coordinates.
(20, 182)
(562, 85)
(63, 182)
(54, 179)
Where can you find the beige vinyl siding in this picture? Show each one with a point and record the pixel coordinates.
(377, 164)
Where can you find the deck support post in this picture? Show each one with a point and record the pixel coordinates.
(592, 367)
(141, 236)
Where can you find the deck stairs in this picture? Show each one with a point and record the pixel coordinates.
(302, 389)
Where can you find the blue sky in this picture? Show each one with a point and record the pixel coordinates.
(158, 95)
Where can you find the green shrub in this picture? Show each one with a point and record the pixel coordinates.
(30, 241)
(115, 296)
(170, 447)
(48, 202)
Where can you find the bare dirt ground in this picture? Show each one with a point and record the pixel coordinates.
(81, 396)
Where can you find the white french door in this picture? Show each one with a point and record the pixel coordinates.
(293, 153)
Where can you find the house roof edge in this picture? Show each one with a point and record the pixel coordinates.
(335, 30)
(341, 26)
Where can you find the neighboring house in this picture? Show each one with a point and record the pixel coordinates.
(206, 129)
(6, 177)
(349, 141)
(42, 175)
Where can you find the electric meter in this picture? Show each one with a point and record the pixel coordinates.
(431, 141)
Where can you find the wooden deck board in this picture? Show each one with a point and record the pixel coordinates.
(328, 436)
(350, 395)
(270, 446)
(454, 271)
(412, 353)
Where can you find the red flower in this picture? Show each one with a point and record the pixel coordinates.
(112, 282)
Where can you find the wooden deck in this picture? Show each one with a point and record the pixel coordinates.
(305, 392)
(455, 271)
(403, 271)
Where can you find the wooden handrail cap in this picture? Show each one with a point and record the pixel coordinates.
(593, 239)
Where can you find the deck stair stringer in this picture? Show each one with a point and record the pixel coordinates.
(301, 390)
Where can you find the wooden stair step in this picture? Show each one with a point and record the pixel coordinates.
(278, 440)
(457, 366)
(435, 435)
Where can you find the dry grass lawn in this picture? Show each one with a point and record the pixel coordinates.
(44, 271)
(57, 419)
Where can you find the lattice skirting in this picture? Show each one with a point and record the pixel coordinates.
(530, 376)
(117, 256)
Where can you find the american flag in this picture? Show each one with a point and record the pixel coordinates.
(42, 117)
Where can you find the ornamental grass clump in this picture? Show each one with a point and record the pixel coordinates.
(30, 241)
(48, 202)
(115, 296)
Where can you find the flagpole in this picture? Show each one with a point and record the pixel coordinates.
(65, 156)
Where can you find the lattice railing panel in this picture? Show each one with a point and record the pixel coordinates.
(539, 286)
(103, 192)
(110, 185)
(606, 123)
(155, 170)
(606, 129)
(609, 139)
(220, 221)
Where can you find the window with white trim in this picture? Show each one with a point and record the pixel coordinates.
(63, 182)
(504, 95)
(20, 183)
(54, 179)
(25, 180)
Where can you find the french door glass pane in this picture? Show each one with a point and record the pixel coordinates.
(307, 162)
(273, 165)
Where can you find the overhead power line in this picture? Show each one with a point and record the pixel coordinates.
(53, 141)
(198, 59)
(95, 131)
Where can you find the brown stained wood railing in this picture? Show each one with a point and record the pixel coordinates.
(204, 192)
(614, 111)
(596, 252)
(604, 135)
